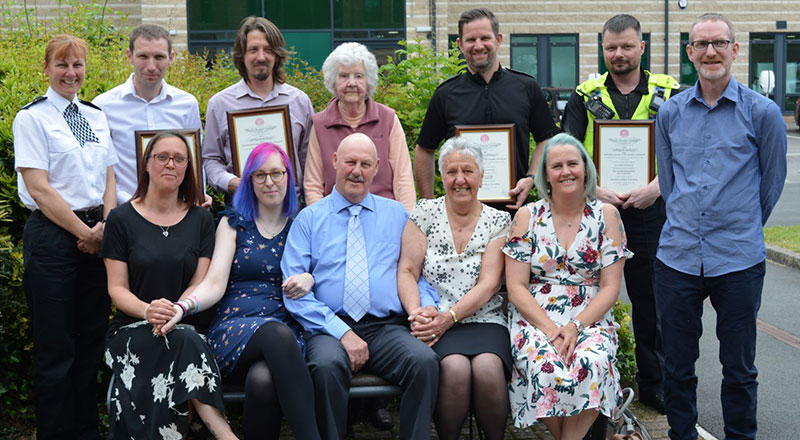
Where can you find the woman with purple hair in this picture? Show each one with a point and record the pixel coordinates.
(254, 339)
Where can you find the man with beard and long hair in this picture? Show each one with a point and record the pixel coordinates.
(485, 94)
(259, 52)
(631, 93)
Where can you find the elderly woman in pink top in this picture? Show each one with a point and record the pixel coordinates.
(351, 74)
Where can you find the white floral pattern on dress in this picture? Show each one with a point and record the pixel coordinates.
(174, 370)
(170, 432)
(195, 378)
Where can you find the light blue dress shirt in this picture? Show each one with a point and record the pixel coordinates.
(721, 170)
(317, 244)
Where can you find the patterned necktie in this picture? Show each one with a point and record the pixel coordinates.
(356, 279)
(78, 124)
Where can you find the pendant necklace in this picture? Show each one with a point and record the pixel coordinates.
(164, 231)
(268, 231)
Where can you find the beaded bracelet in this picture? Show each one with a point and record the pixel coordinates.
(196, 303)
(183, 308)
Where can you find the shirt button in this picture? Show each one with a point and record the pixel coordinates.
(705, 187)
(703, 239)
(703, 214)
(706, 161)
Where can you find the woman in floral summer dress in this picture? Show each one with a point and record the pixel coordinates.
(255, 341)
(564, 259)
(157, 248)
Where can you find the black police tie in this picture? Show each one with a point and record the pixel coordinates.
(79, 125)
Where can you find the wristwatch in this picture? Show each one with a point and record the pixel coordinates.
(532, 176)
(578, 325)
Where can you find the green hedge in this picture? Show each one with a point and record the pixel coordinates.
(406, 86)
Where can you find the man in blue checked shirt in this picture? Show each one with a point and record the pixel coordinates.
(722, 164)
(350, 242)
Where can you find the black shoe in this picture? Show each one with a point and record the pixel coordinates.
(653, 400)
(382, 419)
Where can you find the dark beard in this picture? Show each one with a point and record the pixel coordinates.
(261, 76)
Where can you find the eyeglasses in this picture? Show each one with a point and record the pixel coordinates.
(261, 177)
(700, 45)
(163, 159)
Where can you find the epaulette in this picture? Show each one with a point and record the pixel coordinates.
(454, 77)
(89, 103)
(521, 73)
(34, 102)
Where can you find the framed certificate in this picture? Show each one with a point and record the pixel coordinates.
(251, 127)
(624, 153)
(499, 167)
(192, 137)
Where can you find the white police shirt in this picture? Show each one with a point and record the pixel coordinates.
(43, 140)
(127, 112)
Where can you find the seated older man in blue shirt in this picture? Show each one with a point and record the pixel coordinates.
(721, 164)
(350, 242)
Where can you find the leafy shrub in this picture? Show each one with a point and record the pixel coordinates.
(407, 86)
(626, 359)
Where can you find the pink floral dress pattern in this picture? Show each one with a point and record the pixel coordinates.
(563, 282)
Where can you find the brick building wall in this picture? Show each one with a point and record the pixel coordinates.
(586, 17)
(169, 13)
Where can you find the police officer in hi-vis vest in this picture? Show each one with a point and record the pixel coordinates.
(627, 91)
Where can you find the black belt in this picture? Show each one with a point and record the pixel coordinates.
(90, 216)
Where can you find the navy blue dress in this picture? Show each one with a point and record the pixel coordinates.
(253, 296)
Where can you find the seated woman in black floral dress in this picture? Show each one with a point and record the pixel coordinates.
(157, 248)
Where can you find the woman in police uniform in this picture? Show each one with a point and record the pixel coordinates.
(64, 157)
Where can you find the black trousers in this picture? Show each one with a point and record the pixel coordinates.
(68, 300)
(643, 229)
(394, 355)
(736, 298)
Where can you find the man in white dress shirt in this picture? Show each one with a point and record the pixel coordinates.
(145, 102)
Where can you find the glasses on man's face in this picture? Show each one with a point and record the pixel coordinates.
(261, 177)
(163, 159)
(701, 46)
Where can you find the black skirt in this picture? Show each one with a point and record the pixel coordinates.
(474, 338)
(155, 377)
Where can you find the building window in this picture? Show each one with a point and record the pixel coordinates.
(312, 27)
(551, 59)
(781, 84)
(688, 72)
(645, 61)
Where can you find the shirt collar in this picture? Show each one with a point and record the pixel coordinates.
(478, 78)
(243, 89)
(730, 93)
(58, 101)
(130, 90)
(339, 202)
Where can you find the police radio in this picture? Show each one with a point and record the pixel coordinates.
(596, 107)
(658, 100)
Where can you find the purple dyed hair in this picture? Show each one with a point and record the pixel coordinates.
(244, 199)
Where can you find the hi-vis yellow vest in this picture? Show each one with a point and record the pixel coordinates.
(597, 86)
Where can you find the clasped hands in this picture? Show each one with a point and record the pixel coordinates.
(428, 324)
(564, 340)
(91, 243)
(164, 315)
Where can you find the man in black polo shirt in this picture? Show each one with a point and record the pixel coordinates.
(485, 94)
(630, 92)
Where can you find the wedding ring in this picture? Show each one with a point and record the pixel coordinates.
(433, 336)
